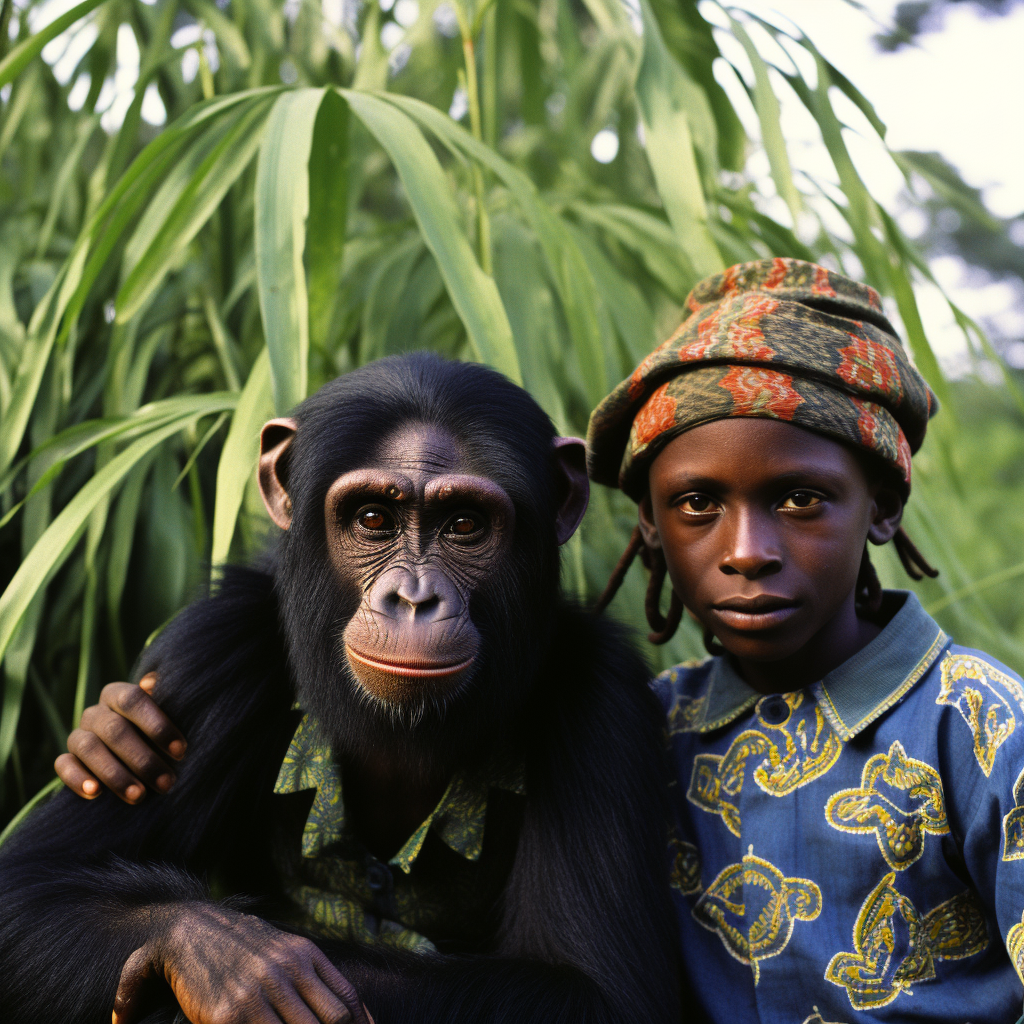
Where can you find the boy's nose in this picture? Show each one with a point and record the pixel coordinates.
(753, 551)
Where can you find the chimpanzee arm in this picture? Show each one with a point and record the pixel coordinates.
(77, 880)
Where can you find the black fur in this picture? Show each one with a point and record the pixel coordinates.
(586, 930)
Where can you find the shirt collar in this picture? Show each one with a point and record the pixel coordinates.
(855, 693)
(458, 818)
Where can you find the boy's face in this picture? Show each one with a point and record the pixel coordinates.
(763, 526)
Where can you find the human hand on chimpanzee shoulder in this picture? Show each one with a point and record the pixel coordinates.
(125, 742)
(225, 967)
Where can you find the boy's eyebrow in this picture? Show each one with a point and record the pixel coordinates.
(684, 481)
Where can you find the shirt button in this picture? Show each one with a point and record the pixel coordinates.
(774, 710)
(378, 877)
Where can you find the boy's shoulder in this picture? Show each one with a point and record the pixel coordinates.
(988, 696)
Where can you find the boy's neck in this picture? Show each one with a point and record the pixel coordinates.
(837, 641)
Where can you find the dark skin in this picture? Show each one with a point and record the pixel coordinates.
(763, 525)
(414, 534)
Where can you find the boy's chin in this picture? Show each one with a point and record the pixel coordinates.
(763, 646)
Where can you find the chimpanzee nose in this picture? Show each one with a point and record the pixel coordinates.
(417, 594)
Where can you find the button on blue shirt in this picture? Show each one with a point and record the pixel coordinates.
(852, 851)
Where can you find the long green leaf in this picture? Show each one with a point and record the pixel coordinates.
(194, 207)
(473, 293)
(328, 210)
(660, 91)
(49, 553)
(238, 457)
(24, 53)
(568, 269)
(282, 205)
(767, 105)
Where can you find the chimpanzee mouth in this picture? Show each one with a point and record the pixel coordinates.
(423, 670)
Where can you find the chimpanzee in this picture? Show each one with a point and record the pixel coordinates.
(404, 649)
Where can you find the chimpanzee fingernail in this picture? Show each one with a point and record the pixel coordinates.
(164, 782)
(134, 792)
(90, 787)
(176, 748)
(148, 681)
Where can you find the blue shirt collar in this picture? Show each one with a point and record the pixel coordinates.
(855, 693)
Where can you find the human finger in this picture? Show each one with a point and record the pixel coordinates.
(104, 766)
(136, 705)
(74, 775)
(125, 743)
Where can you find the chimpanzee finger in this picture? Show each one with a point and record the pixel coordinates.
(327, 1006)
(127, 999)
(105, 767)
(135, 704)
(341, 987)
(125, 743)
(73, 774)
(293, 1009)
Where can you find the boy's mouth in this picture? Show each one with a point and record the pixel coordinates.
(765, 611)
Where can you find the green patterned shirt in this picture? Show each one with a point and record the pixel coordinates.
(441, 887)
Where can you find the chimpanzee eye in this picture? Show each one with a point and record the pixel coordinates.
(464, 526)
(801, 499)
(376, 520)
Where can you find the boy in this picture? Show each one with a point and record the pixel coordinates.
(849, 789)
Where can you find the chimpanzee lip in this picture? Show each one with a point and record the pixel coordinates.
(412, 669)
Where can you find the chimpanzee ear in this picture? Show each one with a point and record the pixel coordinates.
(571, 460)
(275, 441)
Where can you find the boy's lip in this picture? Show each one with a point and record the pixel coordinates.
(763, 611)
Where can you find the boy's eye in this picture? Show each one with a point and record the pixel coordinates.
(697, 504)
(801, 499)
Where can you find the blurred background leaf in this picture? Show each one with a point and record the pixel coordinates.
(208, 209)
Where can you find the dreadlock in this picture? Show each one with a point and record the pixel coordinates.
(663, 627)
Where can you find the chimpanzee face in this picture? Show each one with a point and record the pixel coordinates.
(418, 534)
(415, 533)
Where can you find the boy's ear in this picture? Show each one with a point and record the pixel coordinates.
(887, 515)
(648, 530)
(275, 441)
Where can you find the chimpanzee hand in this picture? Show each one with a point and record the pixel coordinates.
(109, 747)
(229, 968)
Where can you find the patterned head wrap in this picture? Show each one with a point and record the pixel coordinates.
(776, 339)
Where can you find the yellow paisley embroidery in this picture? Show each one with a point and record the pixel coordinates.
(984, 697)
(1013, 824)
(873, 976)
(685, 870)
(781, 902)
(900, 800)
(1015, 947)
(792, 754)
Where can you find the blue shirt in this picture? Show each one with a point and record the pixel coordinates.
(852, 851)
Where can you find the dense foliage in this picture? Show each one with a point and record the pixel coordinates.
(311, 204)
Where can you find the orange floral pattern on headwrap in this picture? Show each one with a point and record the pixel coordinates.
(777, 338)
